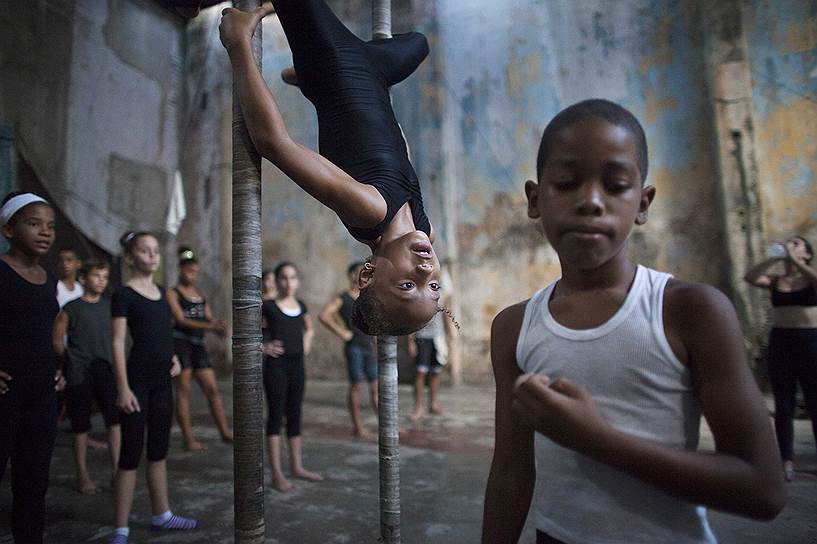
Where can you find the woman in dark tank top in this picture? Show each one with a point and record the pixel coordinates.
(191, 319)
(792, 350)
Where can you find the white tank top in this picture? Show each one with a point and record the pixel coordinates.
(640, 388)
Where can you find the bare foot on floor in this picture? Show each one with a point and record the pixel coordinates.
(282, 485)
(87, 487)
(194, 446)
(304, 474)
(436, 410)
(788, 470)
(415, 415)
(227, 437)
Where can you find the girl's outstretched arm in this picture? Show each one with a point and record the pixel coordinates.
(355, 203)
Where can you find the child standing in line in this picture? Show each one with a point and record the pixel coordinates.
(145, 392)
(68, 266)
(429, 347)
(28, 404)
(359, 349)
(289, 338)
(363, 172)
(191, 319)
(86, 323)
(603, 375)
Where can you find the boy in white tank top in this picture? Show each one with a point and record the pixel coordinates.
(602, 376)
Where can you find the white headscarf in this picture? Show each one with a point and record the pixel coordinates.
(15, 204)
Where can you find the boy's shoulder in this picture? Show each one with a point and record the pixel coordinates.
(505, 334)
(685, 300)
(695, 315)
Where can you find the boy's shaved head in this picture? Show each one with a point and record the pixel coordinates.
(601, 109)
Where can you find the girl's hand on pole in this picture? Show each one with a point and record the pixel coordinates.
(237, 26)
(126, 401)
(175, 367)
(4, 379)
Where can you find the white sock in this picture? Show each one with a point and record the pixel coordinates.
(124, 531)
(161, 519)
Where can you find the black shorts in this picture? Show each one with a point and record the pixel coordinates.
(428, 360)
(191, 355)
(99, 385)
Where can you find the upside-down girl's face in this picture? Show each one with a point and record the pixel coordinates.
(32, 230)
(145, 255)
(287, 281)
(590, 193)
(406, 278)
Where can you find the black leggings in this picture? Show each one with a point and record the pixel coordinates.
(792, 358)
(284, 383)
(28, 428)
(156, 412)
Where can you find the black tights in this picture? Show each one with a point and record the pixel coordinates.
(792, 358)
(155, 413)
(284, 382)
(28, 429)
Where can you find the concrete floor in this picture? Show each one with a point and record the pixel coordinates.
(445, 461)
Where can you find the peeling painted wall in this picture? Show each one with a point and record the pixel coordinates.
(91, 89)
(782, 42)
(473, 115)
(100, 91)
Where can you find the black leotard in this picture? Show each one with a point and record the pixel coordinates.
(27, 313)
(348, 82)
(151, 327)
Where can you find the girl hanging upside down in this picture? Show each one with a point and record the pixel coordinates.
(363, 171)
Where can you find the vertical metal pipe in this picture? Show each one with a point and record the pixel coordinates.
(389, 439)
(381, 19)
(248, 468)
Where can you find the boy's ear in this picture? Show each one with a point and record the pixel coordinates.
(647, 196)
(366, 276)
(8, 232)
(532, 192)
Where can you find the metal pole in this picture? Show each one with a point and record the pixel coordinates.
(389, 439)
(381, 19)
(248, 400)
(388, 425)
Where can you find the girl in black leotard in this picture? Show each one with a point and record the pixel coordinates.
(363, 172)
(145, 391)
(792, 352)
(191, 318)
(288, 337)
(28, 404)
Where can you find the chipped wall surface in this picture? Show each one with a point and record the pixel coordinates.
(473, 114)
(91, 89)
(107, 99)
(782, 43)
